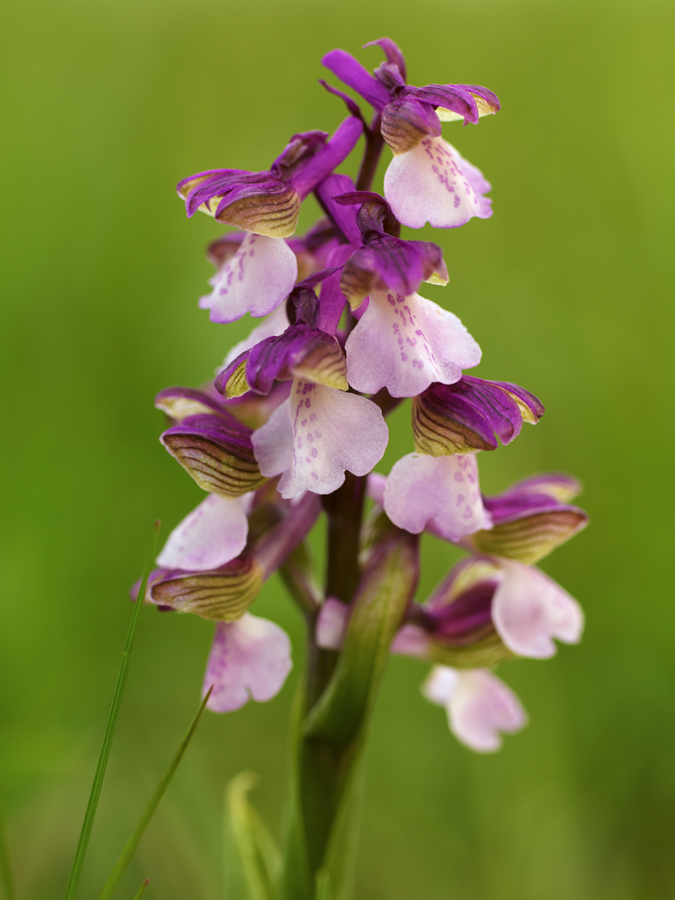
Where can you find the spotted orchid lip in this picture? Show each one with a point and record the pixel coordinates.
(406, 343)
(441, 495)
(316, 436)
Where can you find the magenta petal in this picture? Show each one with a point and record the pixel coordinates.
(210, 536)
(329, 157)
(439, 493)
(255, 280)
(405, 344)
(250, 658)
(529, 609)
(332, 300)
(355, 76)
(479, 706)
(434, 183)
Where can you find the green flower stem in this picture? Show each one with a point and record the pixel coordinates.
(85, 834)
(297, 575)
(334, 712)
(344, 509)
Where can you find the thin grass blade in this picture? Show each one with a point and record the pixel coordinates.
(81, 852)
(141, 889)
(135, 839)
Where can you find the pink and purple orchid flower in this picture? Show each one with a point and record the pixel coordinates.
(427, 180)
(294, 423)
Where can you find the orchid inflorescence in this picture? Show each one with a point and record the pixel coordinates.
(294, 424)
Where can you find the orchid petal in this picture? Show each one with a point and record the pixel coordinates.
(331, 624)
(405, 344)
(434, 183)
(468, 415)
(529, 609)
(331, 432)
(479, 706)
(440, 493)
(375, 487)
(355, 76)
(250, 659)
(223, 594)
(273, 443)
(180, 403)
(329, 157)
(256, 280)
(210, 536)
(411, 640)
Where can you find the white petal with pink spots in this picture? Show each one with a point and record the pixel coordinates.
(259, 276)
(210, 536)
(434, 183)
(440, 494)
(250, 658)
(406, 343)
(317, 435)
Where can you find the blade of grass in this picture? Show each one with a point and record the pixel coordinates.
(5, 868)
(85, 834)
(141, 889)
(135, 839)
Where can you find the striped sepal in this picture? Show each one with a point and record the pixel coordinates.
(528, 538)
(324, 363)
(484, 653)
(222, 594)
(217, 452)
(273, 213)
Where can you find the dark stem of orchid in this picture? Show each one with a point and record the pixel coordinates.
(323, 766)
(385, 401)
(371, 156)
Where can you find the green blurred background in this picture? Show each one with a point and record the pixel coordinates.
(106, 104)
